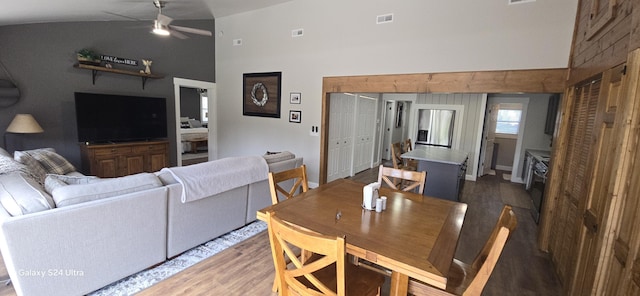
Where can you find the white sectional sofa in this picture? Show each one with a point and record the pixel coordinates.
(106, 229)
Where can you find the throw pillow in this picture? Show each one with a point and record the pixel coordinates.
(48, 160)
(20, 195)
(32, 164)
(107, 187)
(282, 156)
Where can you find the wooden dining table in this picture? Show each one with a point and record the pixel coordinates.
(415, 237)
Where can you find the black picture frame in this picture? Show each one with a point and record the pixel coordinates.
(295, 97)
(295, 116)
(261, 94)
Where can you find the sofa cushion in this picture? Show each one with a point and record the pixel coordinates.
(277, 157)
(20, 194)
(53, 181)
(107, 187)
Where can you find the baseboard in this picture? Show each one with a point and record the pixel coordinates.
(503, 168)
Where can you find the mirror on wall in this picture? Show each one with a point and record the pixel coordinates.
(194, 121)
(435, 127)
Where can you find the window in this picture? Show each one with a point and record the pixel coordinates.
(204, 107)
(508, 121)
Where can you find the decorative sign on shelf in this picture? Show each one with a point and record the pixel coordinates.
(117, 60)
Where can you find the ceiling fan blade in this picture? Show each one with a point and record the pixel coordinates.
(122, 15)
(178, 35)
(163, 19)
(192, 30)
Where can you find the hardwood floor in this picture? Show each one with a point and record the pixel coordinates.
(247, 269)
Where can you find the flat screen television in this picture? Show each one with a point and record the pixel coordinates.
(104, 118)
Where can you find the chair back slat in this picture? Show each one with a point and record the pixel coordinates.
(410, 180)
(329, 252)
(277, 180)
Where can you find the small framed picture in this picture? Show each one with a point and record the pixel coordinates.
(294, 98)
(295, 116)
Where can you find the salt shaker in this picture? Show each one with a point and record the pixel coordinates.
(384, 202)
(379, 205)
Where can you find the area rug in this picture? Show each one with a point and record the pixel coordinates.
(144, 279)
(514, 194)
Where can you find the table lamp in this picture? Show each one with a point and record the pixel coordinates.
(23, 124)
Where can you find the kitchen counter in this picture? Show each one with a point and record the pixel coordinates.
(540, 155)
(437, 154)
(446, 170)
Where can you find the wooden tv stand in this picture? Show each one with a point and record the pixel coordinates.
(121, 159)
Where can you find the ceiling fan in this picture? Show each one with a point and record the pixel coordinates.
(162, 25)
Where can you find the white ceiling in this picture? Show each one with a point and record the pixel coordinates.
(38, 11)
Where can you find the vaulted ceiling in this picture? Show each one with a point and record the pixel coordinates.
(14, 12)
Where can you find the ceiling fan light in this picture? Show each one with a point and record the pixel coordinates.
(159, 29)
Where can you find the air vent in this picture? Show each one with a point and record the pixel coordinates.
(297, 32)
(237, 42)
(520, 1)
(385, 18)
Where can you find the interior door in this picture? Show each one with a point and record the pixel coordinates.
(594, 206)
(489, 136)
(341, 129)
(621, 275)
(365, 128)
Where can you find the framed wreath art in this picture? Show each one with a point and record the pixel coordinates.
(261, 94)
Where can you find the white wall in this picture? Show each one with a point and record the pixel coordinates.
(341, 38)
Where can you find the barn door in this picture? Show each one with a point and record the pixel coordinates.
(563, 240)
(621, 272)
(595, 228)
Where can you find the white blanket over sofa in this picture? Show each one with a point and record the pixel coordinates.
(210, 178)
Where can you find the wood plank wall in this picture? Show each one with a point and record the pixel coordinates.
(609, 47)
(591, 227)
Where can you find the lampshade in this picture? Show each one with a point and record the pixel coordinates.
(24, 124)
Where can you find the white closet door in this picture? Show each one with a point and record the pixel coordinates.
(365, 128)
(341, 127)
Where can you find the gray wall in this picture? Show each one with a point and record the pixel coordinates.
(40, 57)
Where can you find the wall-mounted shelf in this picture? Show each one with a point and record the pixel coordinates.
(96, 69)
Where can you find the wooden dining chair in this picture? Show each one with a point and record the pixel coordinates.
(298, 177)
(409, 180)
(406, 147)
(469, 280)
(396, 158)
(326, 273)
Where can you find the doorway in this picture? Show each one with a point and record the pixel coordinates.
(502, 138)
(186, 140)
